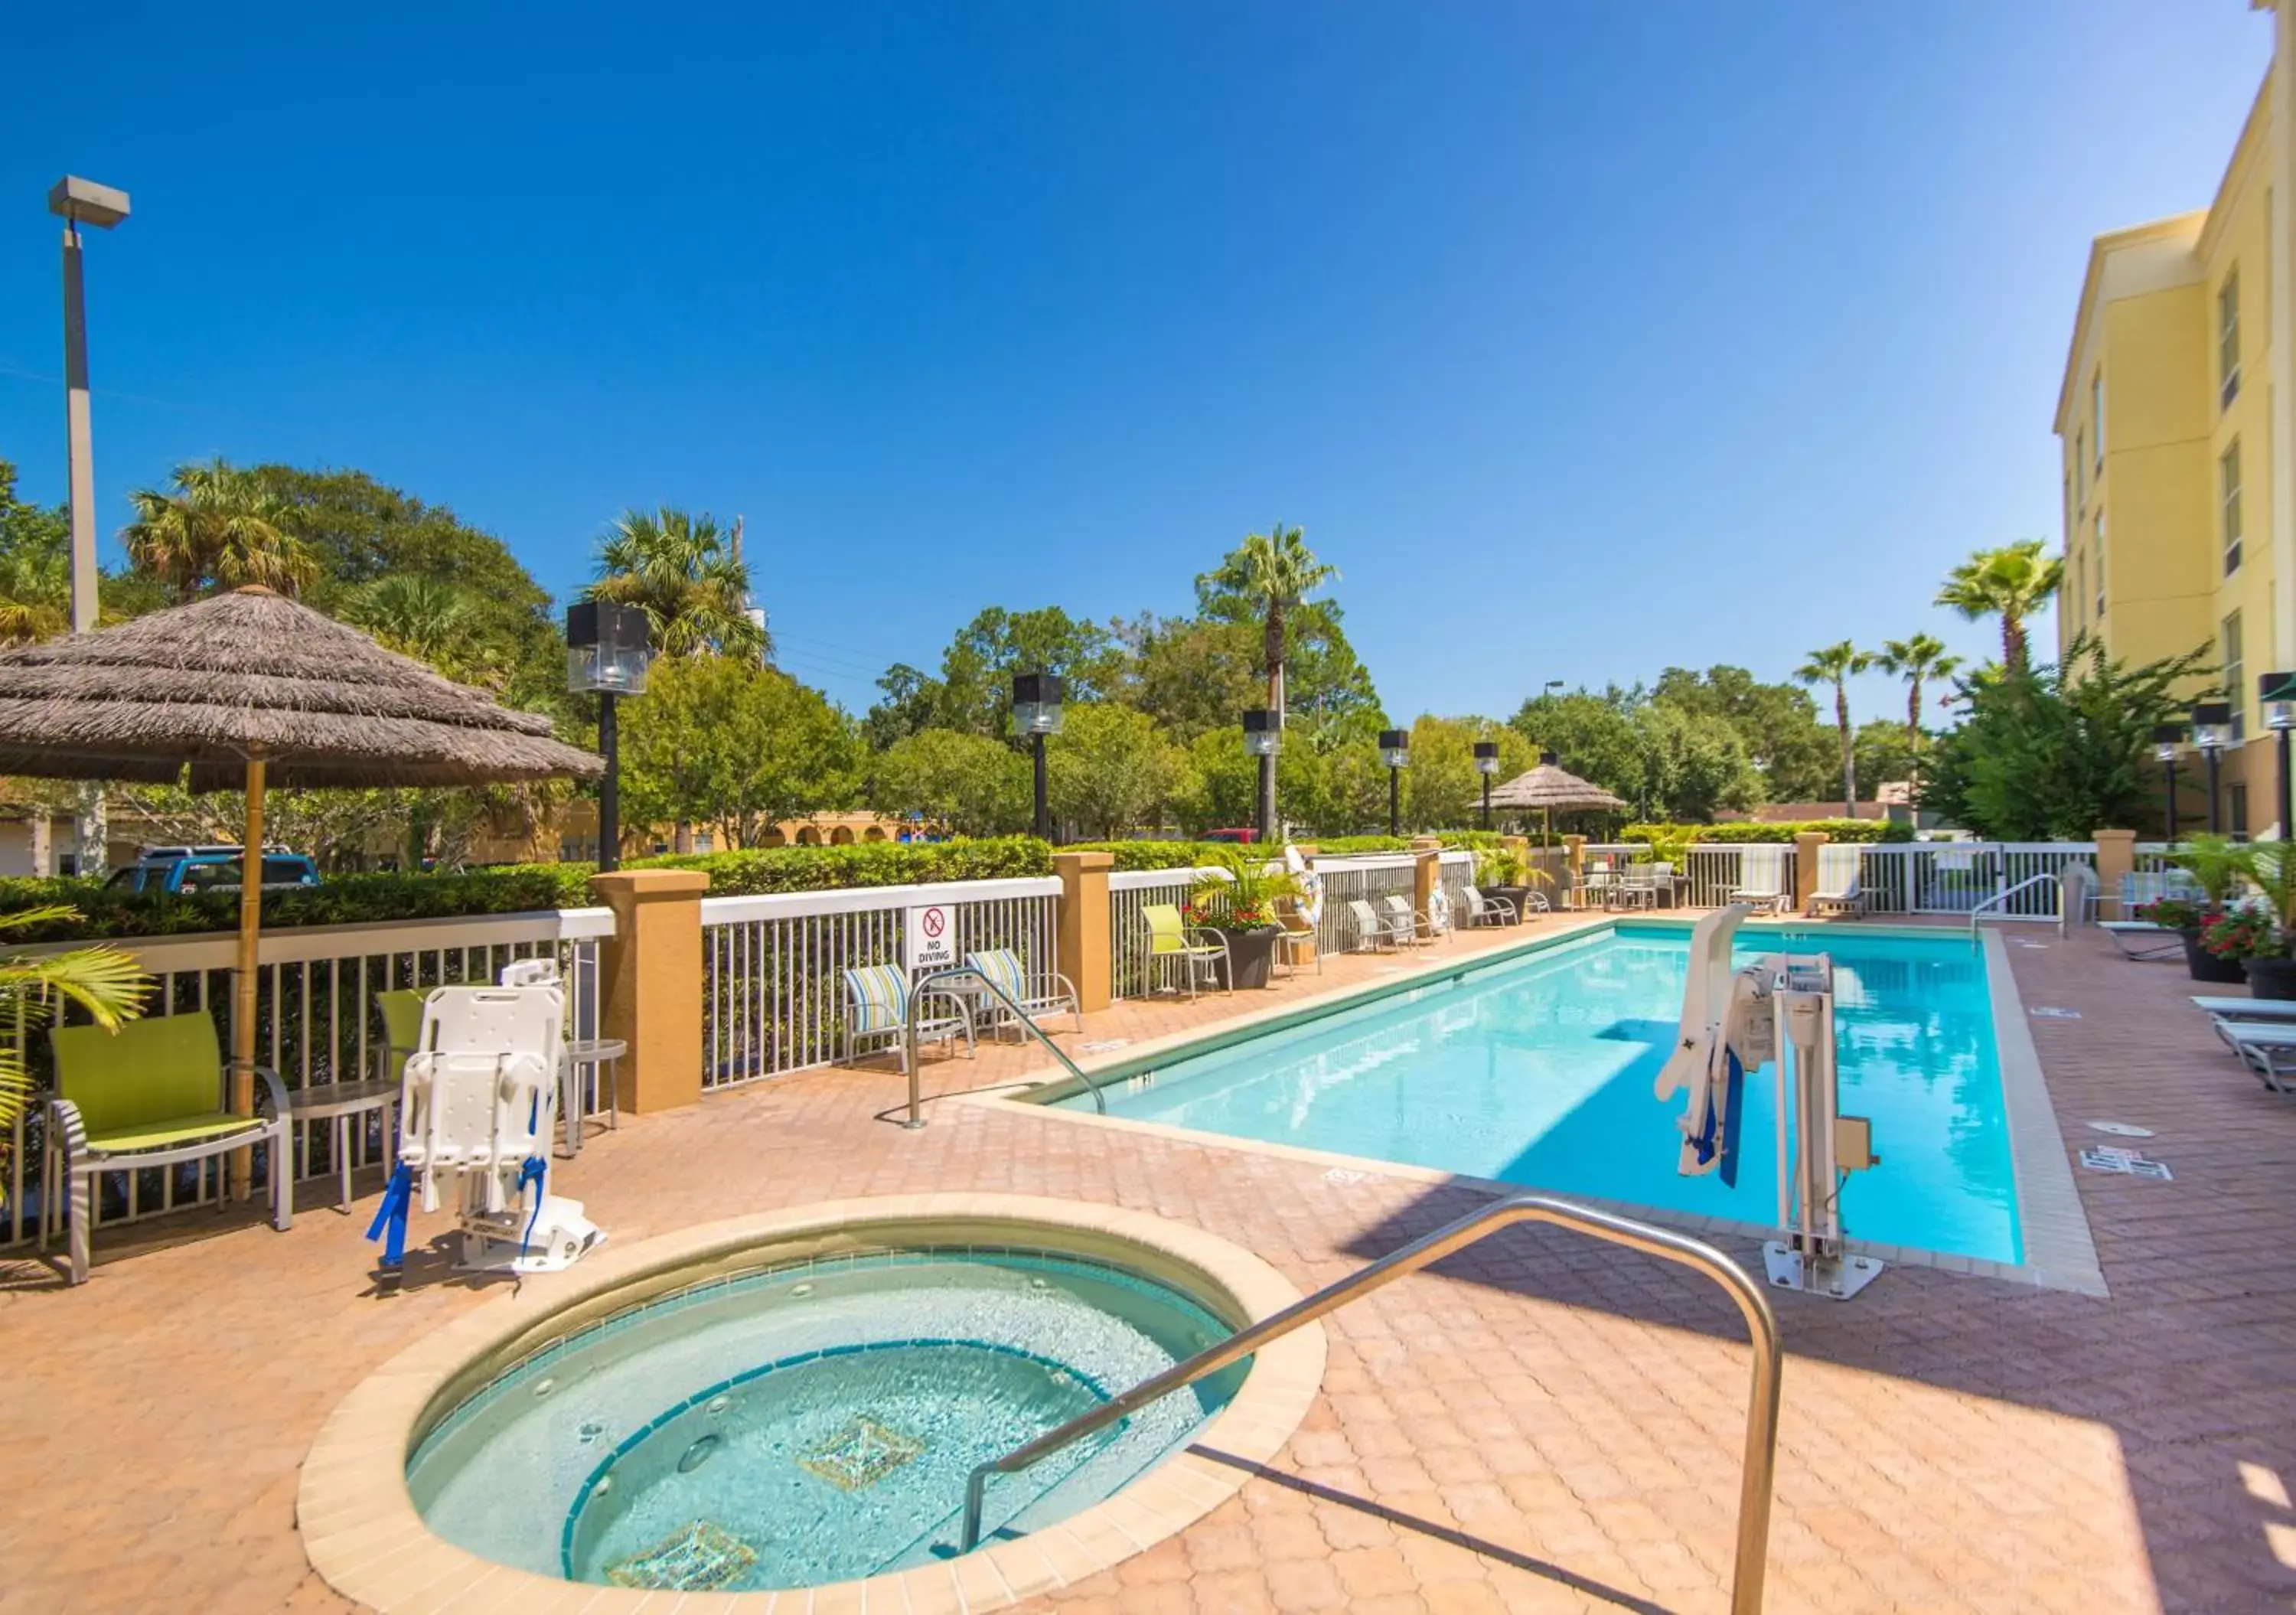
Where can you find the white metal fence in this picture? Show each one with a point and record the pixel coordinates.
(1954, 877)
(773, 984)
(316, 1024)
(1370, 878)
(1130, 892)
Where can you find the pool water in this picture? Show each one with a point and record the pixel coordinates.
(1538, 1072)
(816, 1423)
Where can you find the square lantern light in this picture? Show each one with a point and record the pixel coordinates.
(1395, 748)
(2277, 693)
(1263, 733)
(2168, 742)
(2212, 726)
(607, 649)
(1486, 757)
(1037, 703)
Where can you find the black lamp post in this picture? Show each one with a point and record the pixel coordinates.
(1036, 713)
(2213, 733)
(607, 649)
(2277, 693)
(1487, 763)
(1395, 751)
(1263, 738)
(2168, 746)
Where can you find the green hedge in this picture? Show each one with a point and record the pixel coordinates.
(1839, 830)
(1188, 855)
(372, 899)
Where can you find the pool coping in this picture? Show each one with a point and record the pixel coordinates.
(2051, 1218)
(362, 1533)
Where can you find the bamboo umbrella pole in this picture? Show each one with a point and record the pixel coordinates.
(244, 979)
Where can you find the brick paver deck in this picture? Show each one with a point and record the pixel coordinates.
(1534, 1427)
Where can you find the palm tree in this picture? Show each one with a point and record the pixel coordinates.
(1834, 665)
(35, 594)
(218, 528)
(1916, 660)
(431, 620)
(688, 580)
(2011, 583)
(107, 983)
(1277, 570)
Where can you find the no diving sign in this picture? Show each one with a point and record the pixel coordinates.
(933, 937)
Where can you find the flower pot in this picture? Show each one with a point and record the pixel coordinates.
(1519, 896)
(2204, 965)
(1252, 955)
(2273, 977)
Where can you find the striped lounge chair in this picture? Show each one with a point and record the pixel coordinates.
(1046, 993)
(877, 1008)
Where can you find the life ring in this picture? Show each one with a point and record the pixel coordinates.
(1309, 903)
(1438, 911)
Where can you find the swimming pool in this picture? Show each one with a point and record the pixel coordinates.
(1537, 1071)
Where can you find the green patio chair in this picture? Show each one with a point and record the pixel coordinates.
(151, 1095)
(1174, 943)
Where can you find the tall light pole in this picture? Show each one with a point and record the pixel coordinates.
(608, 648)
(1395, 751)
(1036, 713)
(2168, 746)
(2213, 733)
(82, 201)
(2276, 693)
(1487, 763)
(1263, 738)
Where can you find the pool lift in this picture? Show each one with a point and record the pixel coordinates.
(477, 1106)
(1736, 1021)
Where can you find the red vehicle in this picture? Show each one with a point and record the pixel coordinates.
(1230, 835)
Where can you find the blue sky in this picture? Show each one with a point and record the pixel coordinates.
(1573, 334)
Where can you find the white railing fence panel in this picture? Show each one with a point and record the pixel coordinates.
(1371, 879)
(1456, 872)
(316, 1024)
(1130, 892)
(1954, 877)
(773, 968)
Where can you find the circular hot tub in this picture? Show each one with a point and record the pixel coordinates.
(797, 1401)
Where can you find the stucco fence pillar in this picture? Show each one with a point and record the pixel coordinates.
(1082, 948)
(1426, 879)
(2116, 856)
(650, 983)
(1806, 844)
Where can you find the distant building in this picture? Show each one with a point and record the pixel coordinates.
(2179, 498)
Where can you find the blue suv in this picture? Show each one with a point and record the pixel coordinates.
(190, 869)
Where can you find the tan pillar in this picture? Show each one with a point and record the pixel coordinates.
(1082, 951)
(1574, 862)
(1426, 876)
(1806, 844)
(2116, 856)
(649, 983)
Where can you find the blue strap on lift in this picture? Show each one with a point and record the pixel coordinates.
(530, 1175)
(389, 1223)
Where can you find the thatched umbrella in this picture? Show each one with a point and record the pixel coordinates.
(1552, 790)
(248, 689)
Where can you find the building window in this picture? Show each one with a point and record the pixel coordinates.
(2229, 340)
(2228, 497)
(2234, 682)
(2080, 588)
(2100, 566)
(2236, 807)
(2081, 468)
(2069, 509)
(2097, 418)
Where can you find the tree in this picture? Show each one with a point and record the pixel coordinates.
(719, 738)
(681, 571)
(969, 782)
(974, 691)
(434, 622)
(35, 566)
(1274, 572)
(1917, 661)
(1777, 724)
(216, 527)
(1112, 769)
(1835, 664)
(1884, 752)
(1691, 768)
(2053, 753)
(1193, 676)
(1591, 735)
(1441, 789)
(2012, 583)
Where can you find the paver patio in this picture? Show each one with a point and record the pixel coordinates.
(1537, 1425)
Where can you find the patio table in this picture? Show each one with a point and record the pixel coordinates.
(339, 1102)
(593, 1052)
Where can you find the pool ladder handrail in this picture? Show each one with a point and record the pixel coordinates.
(1755, 1483)
(918, 991)
(2008, 892)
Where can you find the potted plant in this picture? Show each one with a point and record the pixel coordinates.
(1239, 902)
(2191, 918)
(2220, 867)
(2261, 933)
(1507, 876)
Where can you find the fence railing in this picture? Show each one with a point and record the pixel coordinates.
(773, 984)
(1130, 891)
(1370, 878)
(1954, 877)
(316, 1024)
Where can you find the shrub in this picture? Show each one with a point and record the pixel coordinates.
(771, 869)
(1751, 831)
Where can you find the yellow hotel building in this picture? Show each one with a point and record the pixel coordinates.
(2180, 532)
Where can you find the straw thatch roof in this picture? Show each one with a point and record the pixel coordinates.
(1551, 788)
(248, 674)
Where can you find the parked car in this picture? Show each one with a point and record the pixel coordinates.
(191, 869)
(1230, 835)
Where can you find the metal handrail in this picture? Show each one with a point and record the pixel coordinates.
(2004, 896)
(917, 991)
(1754, 1485)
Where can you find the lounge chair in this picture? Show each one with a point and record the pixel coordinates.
(1173, 941)
(2266, 1047)
(1761, 880)
(2143, 940)
(1489, 911)
(1838, 890)
(152, 1094)
(877, 1007)
(1404, 922)
(1046, 993)
(2247, 1009)
(1374, 932)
